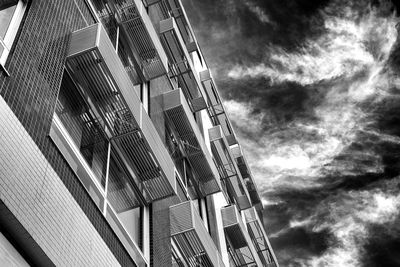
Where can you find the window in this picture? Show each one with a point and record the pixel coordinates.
(11, 12)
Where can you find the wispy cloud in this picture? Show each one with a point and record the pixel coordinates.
(313, 92)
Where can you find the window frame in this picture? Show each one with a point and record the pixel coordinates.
(12, 30)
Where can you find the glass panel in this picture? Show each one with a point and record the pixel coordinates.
(6, 13)
(83, 128)
(123, 197)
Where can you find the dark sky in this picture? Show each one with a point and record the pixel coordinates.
(313, 89)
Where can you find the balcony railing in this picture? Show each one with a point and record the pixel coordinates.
(242, 250)
(246, 174)
(259, 238)
(174, 8)
(216, 108)
(142, 38)
(106, 87)
(191, 237)
(182, 66)
(229, 171)
(180, 116)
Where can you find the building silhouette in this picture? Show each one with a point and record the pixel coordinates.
(115, 147)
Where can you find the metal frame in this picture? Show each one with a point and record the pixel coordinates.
(216, 109)
(190, 237)
(247, 176)
(182, 66)
(235, 231)
(228, 169)
(180, 116)
(142, 38)
(100, 75)
(260, 238)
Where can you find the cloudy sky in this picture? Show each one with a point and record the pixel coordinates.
(313, 89)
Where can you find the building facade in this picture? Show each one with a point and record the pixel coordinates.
(115, 148)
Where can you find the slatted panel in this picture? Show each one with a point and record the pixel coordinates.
(179, 114)
(191, 237)
(106, 86)
(137, 28)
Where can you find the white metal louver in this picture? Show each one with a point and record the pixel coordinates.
(191, 237)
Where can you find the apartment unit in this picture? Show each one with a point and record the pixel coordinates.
(115, 147)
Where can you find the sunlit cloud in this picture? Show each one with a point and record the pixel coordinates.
(349, 64)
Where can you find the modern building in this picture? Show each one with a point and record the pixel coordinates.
(115, 147)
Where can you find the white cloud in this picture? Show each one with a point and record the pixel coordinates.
(357, 50)
(259, 12)
(353, 55)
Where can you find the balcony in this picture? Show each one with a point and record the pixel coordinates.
(191, 238)
(182, 66)
(142, 38)
(97, 70)
(240, 246)
(259, 237)
(246, 174)
(216, 108)
(178, 113)
(228, 169)
(174, 8)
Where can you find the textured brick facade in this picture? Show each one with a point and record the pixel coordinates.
(35, 176)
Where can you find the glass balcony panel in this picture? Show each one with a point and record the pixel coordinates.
(100, 75)
(135, 22)
(117, 223)
(240, 246)
(246, 174)
(216, 109)
(128, 18)
(190, 237)
(174, 8)
(178, 114)
(259, 238)
(84, 129)
(228, 169)
(182, 66)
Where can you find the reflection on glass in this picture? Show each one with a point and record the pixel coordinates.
(83, 128)
(7, 9)
(124, 199)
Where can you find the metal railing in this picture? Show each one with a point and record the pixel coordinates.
(97, 69)
(191, 237)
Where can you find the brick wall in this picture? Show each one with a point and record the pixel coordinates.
(33, 192)
(36, 66)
